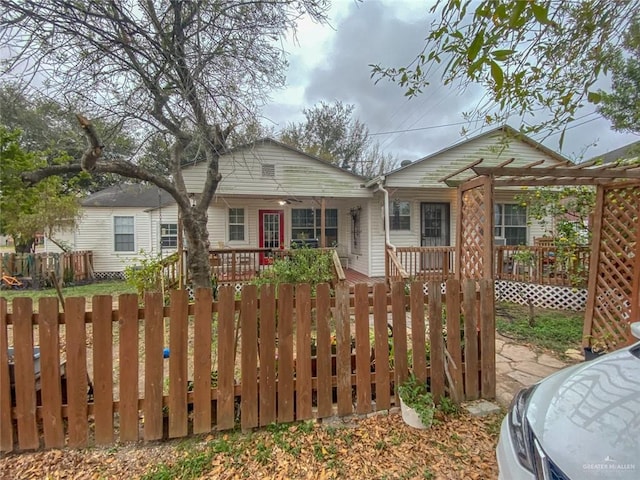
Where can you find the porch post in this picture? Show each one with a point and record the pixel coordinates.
(323, 240)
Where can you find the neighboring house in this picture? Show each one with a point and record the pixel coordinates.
(272, 194)
(121, 221)
(626, 152)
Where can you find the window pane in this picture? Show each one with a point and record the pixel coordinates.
(515, 235)
(236, 215)
(400, 218)
(515, 215)
(236, 232)
(123, 224)
(302, 217)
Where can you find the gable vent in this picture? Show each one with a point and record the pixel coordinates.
(268, 170)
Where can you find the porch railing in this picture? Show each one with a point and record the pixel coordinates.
(534, 264)
(236, 265)
(543, 265)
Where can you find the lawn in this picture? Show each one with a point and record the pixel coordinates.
(89, 290)
(557, 330)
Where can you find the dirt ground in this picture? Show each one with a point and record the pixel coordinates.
(378, 447)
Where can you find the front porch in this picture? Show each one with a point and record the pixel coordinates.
(540, 265)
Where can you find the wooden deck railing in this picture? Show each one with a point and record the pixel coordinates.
(542, 265)
(394, 270)
(427, 263)
(535, 264)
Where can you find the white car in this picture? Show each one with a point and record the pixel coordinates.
(582, 422)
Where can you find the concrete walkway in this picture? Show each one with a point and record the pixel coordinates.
(518, 366)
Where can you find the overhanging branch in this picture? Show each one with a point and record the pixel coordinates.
(119, 167)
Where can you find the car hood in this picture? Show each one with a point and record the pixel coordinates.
(587, 417)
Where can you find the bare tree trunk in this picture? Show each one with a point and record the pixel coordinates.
(195, 229)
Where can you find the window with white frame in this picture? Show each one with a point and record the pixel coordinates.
(168, 235)
(123, 234)
(236, 224)
(306, 224)
(400, 215)
(511, 223)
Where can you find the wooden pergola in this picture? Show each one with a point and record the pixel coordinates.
(613, 298)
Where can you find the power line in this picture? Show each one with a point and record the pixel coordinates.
(418, 129)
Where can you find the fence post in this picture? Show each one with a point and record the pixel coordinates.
(488, 339)
(399, 319)
(6, 422)
(343, 356)
(437, 341)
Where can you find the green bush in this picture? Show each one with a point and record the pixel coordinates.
(145, 275)
(302, 265)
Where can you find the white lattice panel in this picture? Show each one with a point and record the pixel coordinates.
(544, 296)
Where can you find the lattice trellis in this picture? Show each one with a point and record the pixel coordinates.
(611, 281)
(472, 222)
(543, 296)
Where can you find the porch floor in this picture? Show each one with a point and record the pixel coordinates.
(352, 277)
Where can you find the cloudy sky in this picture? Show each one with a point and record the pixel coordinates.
(331, 62)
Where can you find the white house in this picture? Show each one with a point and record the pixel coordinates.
(271, 194)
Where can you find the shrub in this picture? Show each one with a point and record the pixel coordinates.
(302, 265)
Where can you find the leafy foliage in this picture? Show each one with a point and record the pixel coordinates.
(532, 55)
(46, 208)
(50, 128)
(332, 133)
(145, 274)
(414, 394)
(564, 214)
(302, 265)
(622, 104)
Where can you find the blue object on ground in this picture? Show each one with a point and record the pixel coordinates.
(165, 353)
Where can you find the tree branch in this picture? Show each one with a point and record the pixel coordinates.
(119, 167)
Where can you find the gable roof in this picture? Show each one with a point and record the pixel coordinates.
(269, 140)
(129, 195)
(506, 129)
(630, 150)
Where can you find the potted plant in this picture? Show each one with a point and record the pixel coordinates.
(416, 403)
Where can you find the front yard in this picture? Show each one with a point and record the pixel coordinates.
(380, 447)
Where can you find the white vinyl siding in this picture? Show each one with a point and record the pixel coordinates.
(295, 175)
(124, 234)
(427, 172)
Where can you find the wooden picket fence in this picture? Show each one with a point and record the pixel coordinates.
(38, 267)
(100, 376)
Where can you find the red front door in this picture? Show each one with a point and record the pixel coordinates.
(271, 231)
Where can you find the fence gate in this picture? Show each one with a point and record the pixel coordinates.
(474, 242)
(613, 291)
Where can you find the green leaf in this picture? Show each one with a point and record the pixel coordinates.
(594, 97)
(516, 14)
(497, 75)
(475, 46)
(540, 13)
(502, 55)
